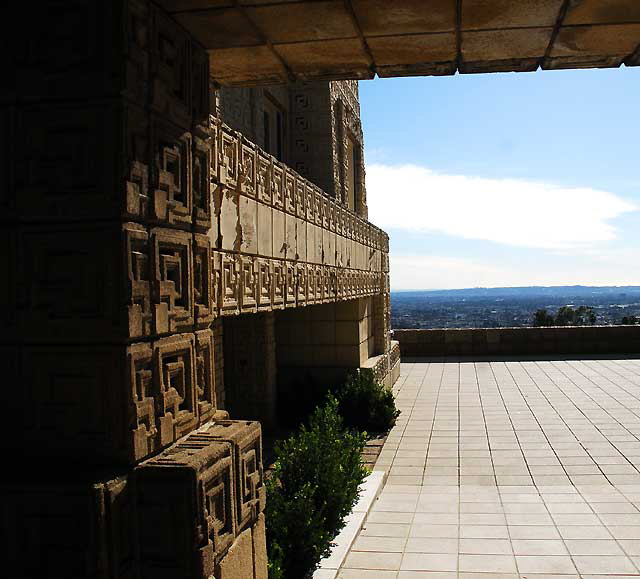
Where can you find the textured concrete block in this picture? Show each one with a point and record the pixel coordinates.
(259, 537)
(204, 296)
(171, 178)
(279, 235)
(172, 285)
(238, 562)
(175, 382)
(84, 530)
(246, 439)
(248, 211)
(265, 230)
(229, 220)
(186, 505)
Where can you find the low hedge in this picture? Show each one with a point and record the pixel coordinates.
(314, 486)
(366, 405)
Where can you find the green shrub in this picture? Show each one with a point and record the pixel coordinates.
(366, 405)
(313, 487)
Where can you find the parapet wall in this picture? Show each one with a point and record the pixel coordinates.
(520, 341)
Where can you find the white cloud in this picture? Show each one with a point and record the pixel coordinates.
(440, 272)
(508, 211)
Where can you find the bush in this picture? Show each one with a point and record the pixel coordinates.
(366, 405)
(313, 487)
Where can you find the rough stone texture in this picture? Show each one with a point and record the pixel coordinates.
(197, 496)
(259, 537)
(135, 221)
(238, 562)
(520, 341)
(187, 503)
(88, 530)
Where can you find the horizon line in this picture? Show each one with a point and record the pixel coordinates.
(511, 287)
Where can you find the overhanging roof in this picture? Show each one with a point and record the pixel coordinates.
(271, 41)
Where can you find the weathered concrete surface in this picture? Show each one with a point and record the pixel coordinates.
(254, 42)
(582, 340)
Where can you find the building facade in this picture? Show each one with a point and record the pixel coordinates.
(182, 258)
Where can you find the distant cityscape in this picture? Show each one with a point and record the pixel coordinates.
(508, 307)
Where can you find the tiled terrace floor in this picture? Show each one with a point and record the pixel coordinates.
(508, 470)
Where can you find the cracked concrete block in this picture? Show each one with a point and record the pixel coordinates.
(301, 240)
(311, 242)
(329, 247)
(248, 225)
(279, 235)
(318, 245)
(229, 219)
(265, 229)
(290, 235)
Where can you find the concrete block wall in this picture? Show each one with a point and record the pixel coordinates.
(331, 335)
(581, 340)
(134, 221)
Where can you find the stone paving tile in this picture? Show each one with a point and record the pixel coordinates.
(506, 470)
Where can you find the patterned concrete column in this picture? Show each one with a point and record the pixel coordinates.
(106, 210)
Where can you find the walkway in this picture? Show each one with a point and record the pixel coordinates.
(508, 470)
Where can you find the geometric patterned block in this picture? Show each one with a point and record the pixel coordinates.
(230, 291)
(303, 284)
(138, 265)
(290, 285)
(200, 178)
(141, 388)
(98, 404)
(301, 192)
(171, 73)
(172, 280)
(186, 507)
(312, 290)
(310, 202)
(246, 438)
(318, 205)
(290, 188)
(228, 162)
(205, 376)
(70, 285)
(80, 162)
(249, 283)
(263, 177)
(175, 385)
(277, 185)
(172, 181)
(278, 284)
(265, 284)
(86, 529)
(248, 160)
(203, 296)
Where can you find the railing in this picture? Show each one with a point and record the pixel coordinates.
(564, 340)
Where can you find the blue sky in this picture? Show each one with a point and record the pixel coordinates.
(506, 179)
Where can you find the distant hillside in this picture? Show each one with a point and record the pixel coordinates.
(549, 291)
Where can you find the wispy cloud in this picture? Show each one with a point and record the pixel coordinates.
(508, 211)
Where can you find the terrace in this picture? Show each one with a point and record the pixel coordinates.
(508, 468)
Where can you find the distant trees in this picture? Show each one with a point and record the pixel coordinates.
(566, 316)
(543, 318)
(630, 321)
